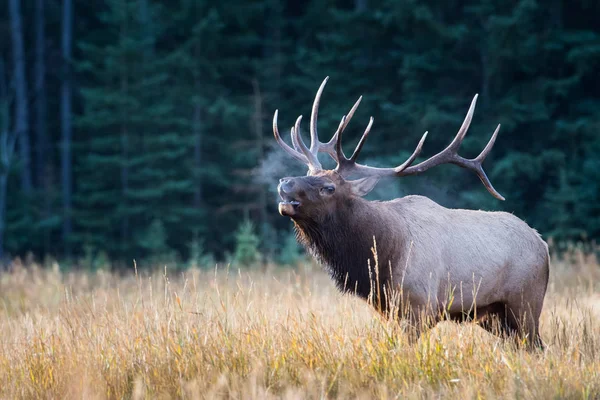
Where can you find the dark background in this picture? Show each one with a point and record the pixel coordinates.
(143, 127)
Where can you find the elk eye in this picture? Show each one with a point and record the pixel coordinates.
(328, 189)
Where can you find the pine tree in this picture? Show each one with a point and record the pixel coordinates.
(173, 101)
(136, 165)
(246, 246)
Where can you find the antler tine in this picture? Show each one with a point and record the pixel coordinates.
(314, 137)
(314, 163)
(296, 139)
(329, 147)
(341, 157)
(362, 141)
(460, 135)
(488, 147)
(479, 161)
(295, 154)
(296, 145)
(351, 113)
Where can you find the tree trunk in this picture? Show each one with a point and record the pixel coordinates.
(124, 182)
(260, 146)
(43, 178)
(66, 128)
(21, 107)
(197, 132)
(7, 145)
(3, 182)
(124, 151)
(41, 148)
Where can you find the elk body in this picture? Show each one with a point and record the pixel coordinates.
(446, 263)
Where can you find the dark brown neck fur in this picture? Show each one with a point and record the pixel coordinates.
(343, 243)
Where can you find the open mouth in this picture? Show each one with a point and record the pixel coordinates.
(288, 206)
(285, 200)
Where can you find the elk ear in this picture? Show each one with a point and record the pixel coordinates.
(361, 187)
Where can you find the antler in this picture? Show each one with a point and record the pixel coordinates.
(347, 166)
(447, 156)
(308, 155)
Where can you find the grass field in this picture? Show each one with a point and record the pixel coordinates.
(256, 334)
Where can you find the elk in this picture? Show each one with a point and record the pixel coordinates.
(447, 263)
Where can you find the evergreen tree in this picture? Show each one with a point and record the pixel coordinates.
(246, 246)
(172, 104)
(135, 156)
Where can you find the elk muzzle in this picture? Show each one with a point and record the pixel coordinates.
(289, 203)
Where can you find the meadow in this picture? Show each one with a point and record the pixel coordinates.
(274, 332)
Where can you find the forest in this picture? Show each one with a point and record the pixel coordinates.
(141, 129)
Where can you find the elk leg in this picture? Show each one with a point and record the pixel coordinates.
(422, 319)
(492, 318)
(522, 321)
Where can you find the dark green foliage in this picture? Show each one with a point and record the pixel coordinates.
(135, 135)
(246, 245)
(173, 102)
(291, 252)
(199, 257)
(153, 242)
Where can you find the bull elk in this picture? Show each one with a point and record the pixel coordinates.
(498, 264)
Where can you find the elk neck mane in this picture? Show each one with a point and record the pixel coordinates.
(343, 240)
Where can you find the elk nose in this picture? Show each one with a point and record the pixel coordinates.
(286, 185)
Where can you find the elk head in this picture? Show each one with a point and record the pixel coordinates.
(321, 191)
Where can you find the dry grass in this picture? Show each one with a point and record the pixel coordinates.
(275, 333)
